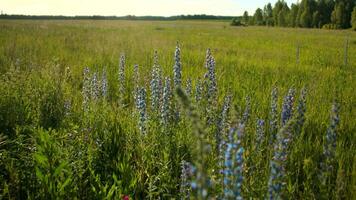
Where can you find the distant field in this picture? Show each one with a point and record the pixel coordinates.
(250, 61)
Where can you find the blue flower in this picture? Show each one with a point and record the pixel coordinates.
(177, 68)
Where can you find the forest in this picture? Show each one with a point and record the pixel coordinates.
(329, 14)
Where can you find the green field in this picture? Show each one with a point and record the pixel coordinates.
(50, 151)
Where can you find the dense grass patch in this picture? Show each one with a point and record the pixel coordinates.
(63, 137)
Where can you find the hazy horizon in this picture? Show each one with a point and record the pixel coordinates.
(132, 7)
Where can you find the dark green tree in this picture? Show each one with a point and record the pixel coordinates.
(276, 10)
(245, 18)
(353, 19)
(325, 8)
(338, 15)
(299, 14)
(258, 17)
(308, 7)
(268, 14)
(341, 16)
(317, 20)
(292, 18)
(283, 16)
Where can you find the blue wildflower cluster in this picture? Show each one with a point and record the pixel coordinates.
(327, 165)
(155, 86)
(233, 167)
(273, 121)
(222, 125)
(198, 90)
(212, 84)
(301, 108)
(277, 164)
(188, 87)
(122, 78)
(104, 84)
(93, 88)
(200, 183)
(141, 107)
(287, 107)
(185, 186)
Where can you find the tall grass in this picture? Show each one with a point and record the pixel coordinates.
(88, 111)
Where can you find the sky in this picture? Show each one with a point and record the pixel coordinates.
(132, 7)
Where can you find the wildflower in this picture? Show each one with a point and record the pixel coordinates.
(260, 132)
(274, 110)
(86, 89)
(207, 58)
(17, 64)
(273, 122)
(198, 91)
(330, 145)
(67, 73)
(177, 68)
(210, 87)
(287, 108)
(166, 102)
(223, 124)
(104, 84)
(233, 171)
(224, 113)
(122, 78)
(155, 58)
(247, 111)
(159, 76)
(277, 164)
(328, 162)
(185, 174)
(141, 107)
(136, 87)
(301, 108)
(200, 181)
(188, 87)
(238, 172)
(95, 87)
(67, 107)
(228, 175)
(155, 85)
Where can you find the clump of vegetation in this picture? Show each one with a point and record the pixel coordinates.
(236, 22)
(331, 26)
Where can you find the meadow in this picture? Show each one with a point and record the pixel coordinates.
(143, 110)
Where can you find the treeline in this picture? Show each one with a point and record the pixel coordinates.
(331, 14)
(128, 17)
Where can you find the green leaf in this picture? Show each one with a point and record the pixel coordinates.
(59, 169)
(65, 184)
(111, 191)
(39, 174)
(41, 159)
